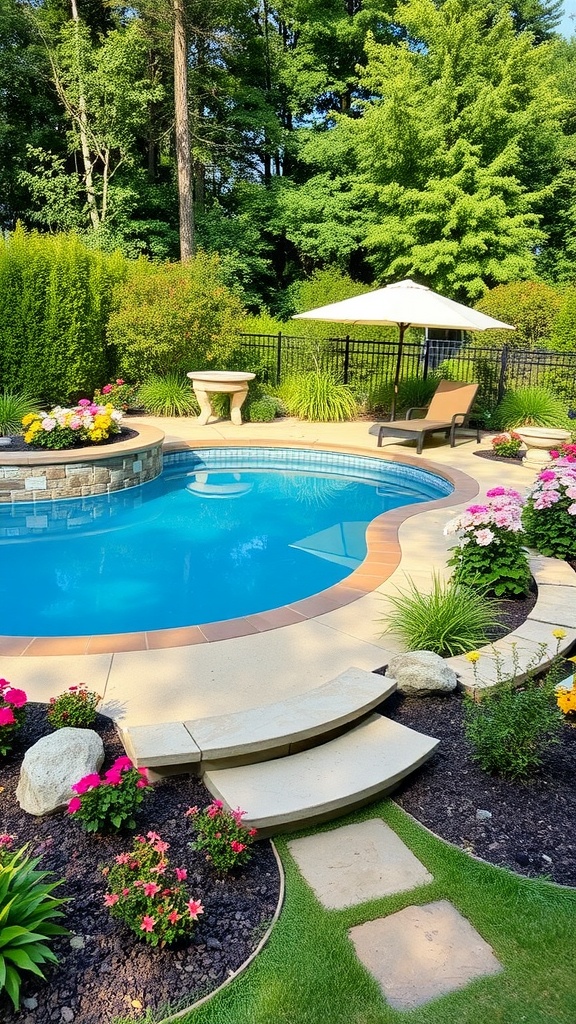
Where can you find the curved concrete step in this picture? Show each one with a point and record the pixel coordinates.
(328, 780)
(257, 734)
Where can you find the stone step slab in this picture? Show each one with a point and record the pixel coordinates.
(366, 762)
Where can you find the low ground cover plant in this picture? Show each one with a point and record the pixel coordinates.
(451, 619)
(549, 515)
(490, 555)
(507, 445)
(12, 714)
(109, 803)
(28, 912)
(222, 835)
(148, 895)
(76, 707)
(60, 428)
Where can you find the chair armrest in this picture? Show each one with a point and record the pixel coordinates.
(463, 416)
(415, 408)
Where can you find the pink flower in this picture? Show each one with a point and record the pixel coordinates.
(113, 777)
(17, 698)
(214, 809)
(161, 847)
(7, 716)
(74, 805)
(151, 888)
(110, 899)
(238, 815)
(195, 908)
(119, 381)
(252, 831)
(72, 688)
(123, 858)
(190, 811)
(495, 492)
(88, 782)
(143, 772)
(84, 402)
(141, 784)
(3, 684)
(125, 892)
(5, 839)
(181, 874)
(476, 510)
(547, 474)
(237, 847)
(147, 924)
(484, 538)
(159, 869)
(174, 916)
(122, 763)
(106, 389)
(153, 836)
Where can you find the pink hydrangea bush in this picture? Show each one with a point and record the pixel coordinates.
(12, 714)
(149, 896)
(109, 803)
(221, 833)
(549, 516)
(490, 555)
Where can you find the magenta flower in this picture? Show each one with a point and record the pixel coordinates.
(106, 389)
(113, 777)
(174, 916)
(181, 874)
(147, 923)
(547, 474)
(84, 402)
(151, 888)
(110, 899)
(88, 782)
(237, 847)
(17, 698)
(7, 716)
(74, 805)
(495, 492)
(122, 764)
(5, 839)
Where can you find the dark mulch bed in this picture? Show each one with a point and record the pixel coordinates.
(512, 460)
(97, 982)
(19, 444)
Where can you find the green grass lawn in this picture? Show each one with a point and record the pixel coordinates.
(308, 972)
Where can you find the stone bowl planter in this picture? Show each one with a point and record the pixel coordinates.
(540, 441)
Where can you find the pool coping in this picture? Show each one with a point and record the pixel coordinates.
(383, 557)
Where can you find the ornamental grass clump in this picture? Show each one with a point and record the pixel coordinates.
(76, 708)
(147, 895)
(549, 515)
(318, 396)
(109, 804)
(86, 423)
(28, 911)
(222, 835)
(490, 556)
(449, 619)
(12, 714)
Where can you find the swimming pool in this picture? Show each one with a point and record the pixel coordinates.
(223, 533)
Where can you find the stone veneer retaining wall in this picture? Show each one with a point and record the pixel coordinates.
(46, 476)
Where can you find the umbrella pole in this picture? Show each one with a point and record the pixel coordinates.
(402, 328)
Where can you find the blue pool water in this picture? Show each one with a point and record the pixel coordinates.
(222, 533)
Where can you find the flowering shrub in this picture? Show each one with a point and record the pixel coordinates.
(490, 555)
(109, 804)
(12, 714)
(565, 451)
(76, 708)
(549, 516)
(565, 697)
(507, 445)
(221, 833)
(86, 423)
(120, 394)
(148, 896)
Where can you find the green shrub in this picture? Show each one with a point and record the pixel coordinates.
(174, 318)
(412, 392)
(510, 727)
(263, 410)
(222, 835)
(549, 523)
(490, 556)
(531, 407)
(14, 406)
(171, 395)
(109, 804)
(319, 397)
(27, 914)
(76, 708)
(450, 619)
(531, 306)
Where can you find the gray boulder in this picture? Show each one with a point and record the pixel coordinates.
(52, 766)
(420, 673)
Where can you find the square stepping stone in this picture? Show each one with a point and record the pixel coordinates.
(422, 953)
(355, 863)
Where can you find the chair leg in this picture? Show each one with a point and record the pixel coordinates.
(380, 438)
(420, 443)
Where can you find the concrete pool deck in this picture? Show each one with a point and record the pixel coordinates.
(269, 662)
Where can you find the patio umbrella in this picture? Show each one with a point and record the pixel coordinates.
(405, 304)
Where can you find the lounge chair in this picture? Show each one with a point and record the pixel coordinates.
(448, 410)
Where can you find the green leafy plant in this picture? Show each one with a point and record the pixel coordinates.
(531, 407)
(147, 895)
(507, 446)
(109, 804)
(318, 396)
(171, 395)
(76, 707)
(28, 911)
(61, 428)
(221, 833)
(450, 619)
(490, 556)
(120, 394)
(413, 392)
(12, 714)
(549, 515)
(263, 410)
(14, 406)
(510, 727)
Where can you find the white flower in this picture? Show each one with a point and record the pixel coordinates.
(484, 538)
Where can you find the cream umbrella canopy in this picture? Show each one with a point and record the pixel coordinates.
(404, 304)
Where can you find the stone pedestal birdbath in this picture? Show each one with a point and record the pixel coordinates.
(227, 382)
(540, 441)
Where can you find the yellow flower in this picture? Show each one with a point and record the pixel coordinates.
(572, 659)
(29, 418)
(472, 656)
(559, 633)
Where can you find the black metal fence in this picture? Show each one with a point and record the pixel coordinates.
(367, 365)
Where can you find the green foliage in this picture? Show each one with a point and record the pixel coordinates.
(320, 289)
(564, 327)
(550, 525)
(28, 911)
(509, 727)
(413, 392)
(13, 407)
(263, 410)
(531, 407)
(75, 708)
(490, 557)
(506, 446)
(173, 318)
(222, 835)
(147, 895)
(55, 299)
(110, 804)
(450, 619)
(530, 306)
(171, 395)
(318, 396)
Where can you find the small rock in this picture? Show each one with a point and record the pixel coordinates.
(30, 1004)
(189, 968)
(420, 673)
(483, 815)
(522, 859)
(546, 858)
(77, 942)
(67, 1014)
(213, 943)
(238, 915)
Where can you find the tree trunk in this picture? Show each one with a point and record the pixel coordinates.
(182, 130)
(83, 131)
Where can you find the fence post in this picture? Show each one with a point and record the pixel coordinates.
(426, 356)
(503, 369)
(346, 357)
(279, 359)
